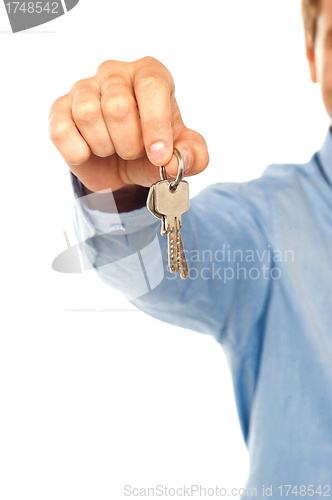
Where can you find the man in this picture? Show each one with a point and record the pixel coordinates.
(269, 304)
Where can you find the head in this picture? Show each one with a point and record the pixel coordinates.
(317, 17)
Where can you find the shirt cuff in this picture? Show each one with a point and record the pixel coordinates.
(105, 222)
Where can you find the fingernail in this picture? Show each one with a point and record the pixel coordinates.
(158, 151)
(187, 160)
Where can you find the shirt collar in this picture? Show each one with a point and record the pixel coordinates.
(325, 157)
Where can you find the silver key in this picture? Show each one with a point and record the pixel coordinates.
(171, 204)
(171, 221)
(151, 207)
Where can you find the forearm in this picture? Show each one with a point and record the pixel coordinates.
(129, 254)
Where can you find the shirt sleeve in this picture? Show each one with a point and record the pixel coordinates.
(227, 250)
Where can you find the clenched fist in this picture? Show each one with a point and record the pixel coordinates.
(116, 128)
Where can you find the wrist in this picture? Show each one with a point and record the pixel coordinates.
(127, 199)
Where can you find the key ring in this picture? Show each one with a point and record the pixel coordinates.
(174, 184)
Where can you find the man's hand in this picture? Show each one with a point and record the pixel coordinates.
(116, 128)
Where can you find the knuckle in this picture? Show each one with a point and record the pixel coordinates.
(79, 157)
(113, 86)
(59, 101)
(160, 74)
(108, 66)
(57, 105)
(149, 83)
(103, 153)
(150, 60)
(79, 85)
(133, 153)
(59, 130)
(86, 112)
(118, 108)
(103, 150)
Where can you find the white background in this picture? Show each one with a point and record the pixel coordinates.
(93, 401)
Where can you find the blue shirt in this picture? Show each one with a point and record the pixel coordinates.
(260, 259)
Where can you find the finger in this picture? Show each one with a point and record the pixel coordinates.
(88, 117)
(153, 87)
(193, 149)
(191, 145)
(195, 156)
(64, 133)
(121, 116)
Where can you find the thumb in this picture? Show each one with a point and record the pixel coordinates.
(193, 149)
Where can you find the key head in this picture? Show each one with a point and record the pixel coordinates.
(168, 202)
(150, 203)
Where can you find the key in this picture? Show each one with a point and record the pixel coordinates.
(171, 204)
(177, 258)
(151, 207)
